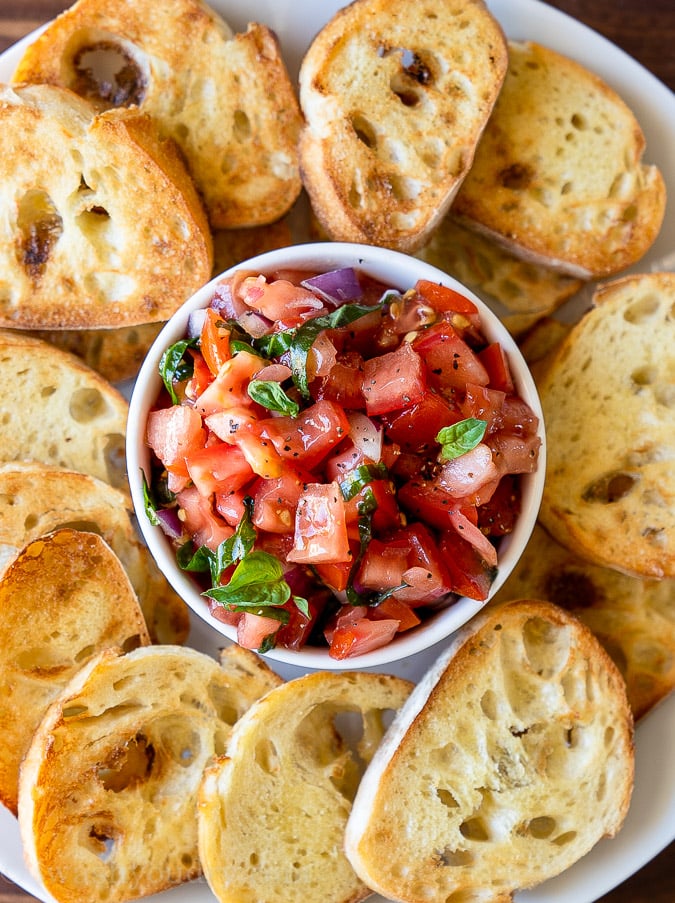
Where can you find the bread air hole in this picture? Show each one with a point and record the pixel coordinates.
(128, 765)
(87, 405)
(115, 461)
(106, 70)
(546, 646)
(364, 130)
(610, 487)
(101, 840)
(642, 309)
(39, 226)
(456, 858)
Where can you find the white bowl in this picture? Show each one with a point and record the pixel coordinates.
(394, 269)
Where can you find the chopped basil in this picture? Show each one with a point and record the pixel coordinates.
(271, 396)
(366, 508)
(459, 438)
(236, 548)
(175, 367)
(149, 503)
(354, 481)
(298, 342)
(257, 582)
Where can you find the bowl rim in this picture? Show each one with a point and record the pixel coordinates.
(390, 267)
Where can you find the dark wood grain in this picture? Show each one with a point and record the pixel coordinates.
(646, 30)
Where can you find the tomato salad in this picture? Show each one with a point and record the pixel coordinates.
(334, 459)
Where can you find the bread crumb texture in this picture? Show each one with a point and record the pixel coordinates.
(608, 398)
(518, 763)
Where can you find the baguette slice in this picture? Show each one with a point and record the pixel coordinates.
(36, 499)
(108, 788)
(116, 354)
(510, 760)
(103, 226)
(59, 411)
(525, 292)
(272, 812)
(227, 100)
(609, 407)
(634, 619)
(395, 98)
(558, 177)
(63, 599)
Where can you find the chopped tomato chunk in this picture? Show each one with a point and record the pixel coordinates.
(229, 388)
(218, 466)
(393, 381)
(308, 438)
(320, 527)
(358, 635)
(450, 361)
(214, 341)
(173, 433)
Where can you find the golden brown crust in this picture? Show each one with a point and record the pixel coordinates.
(510, 760)
(39, 499)
(634, 619)
(115, 234)
(226, 99)
(63, 599)
(558, 177)
(393, 113)
(607, 397)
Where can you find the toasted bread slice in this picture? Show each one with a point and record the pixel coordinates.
(510, 760)
(558, 177)
(272, 812)
(114, 814)
(36, 499)
(103, 226)
(525, 292)
(116, 354)
(59, 411)
(226, 99)
(609, 407)
(634, 619)
(64, 598)
(395, 98)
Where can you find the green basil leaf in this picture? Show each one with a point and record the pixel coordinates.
(196, 561)
(174, 367)
(237, 547)
(257, 580)
(366, 507)
(271, 396)
(459, 438)
(354, 481)
(148, 503)
(274, 344)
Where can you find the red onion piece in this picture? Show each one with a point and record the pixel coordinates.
(169, 522)
(337, 286)
(229, 306)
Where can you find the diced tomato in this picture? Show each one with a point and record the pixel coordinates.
(278, 299)
(229, 388)
(218, 466)
(357, 635)
(275, 501)
(518, 417)
(416, 426)
(196, 513)
(344, 461)
(513, 453)
(450, 361)
(469, 574)
(393, 381)
(387, 515)
(360, 336)
(173, 433)
(495, 361)
(229, 503)
(393, 608)
(424, 555)
(239, 426)
(444, 299)
(499, 514)
(253, 631)
(425, 500)
(468, 529)
(383, 565)
(201, 376)
(343, 383)
(214, 341)
(320, 528)
(335, 574)
(484, 404)
(308, 438)
(295, 633)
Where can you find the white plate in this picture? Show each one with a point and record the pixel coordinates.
(650, 825)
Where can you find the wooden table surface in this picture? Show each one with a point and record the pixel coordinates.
(646, 30)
